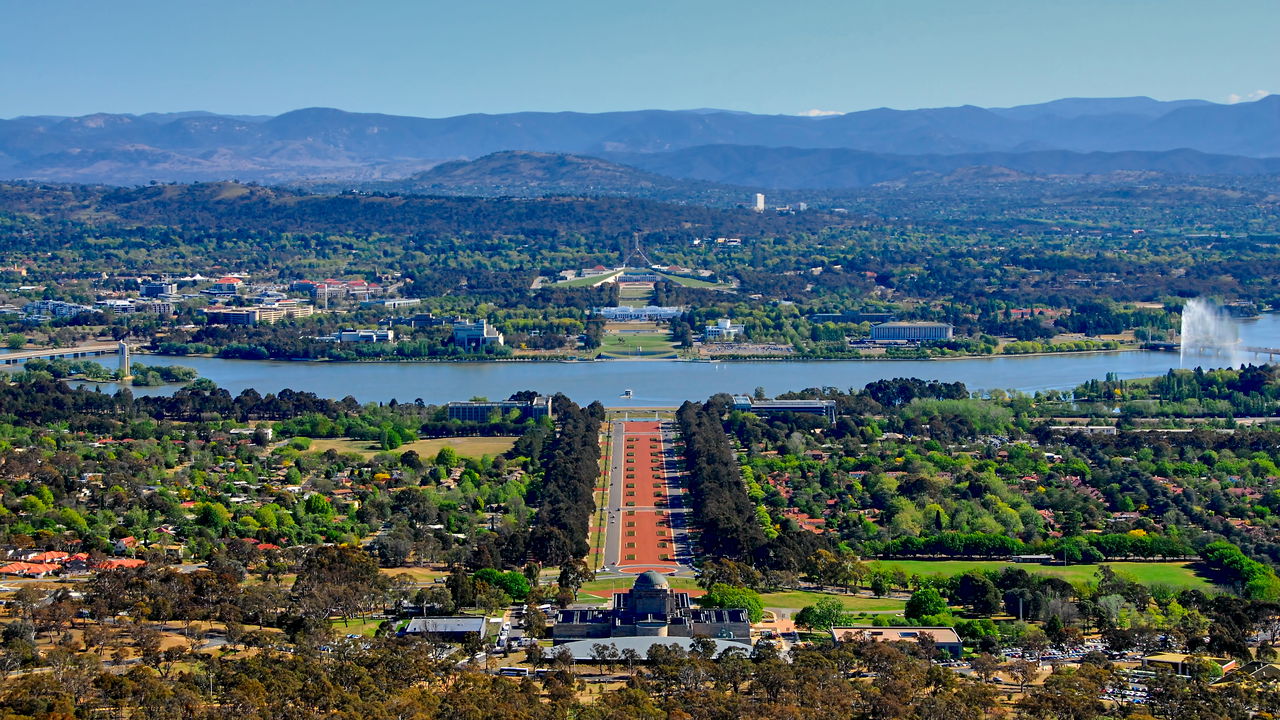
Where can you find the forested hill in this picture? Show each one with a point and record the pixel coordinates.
(232, 206)
(534, 174)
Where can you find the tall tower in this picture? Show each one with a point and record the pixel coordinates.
(123, 350)
(759, 202)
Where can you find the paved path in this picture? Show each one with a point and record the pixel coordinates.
(645, 513)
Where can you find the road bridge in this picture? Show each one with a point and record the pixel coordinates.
(72, 353)
(1271, 353)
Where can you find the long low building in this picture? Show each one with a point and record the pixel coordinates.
(585, 650)
(455, 628)
(648, 313)
(825, 408)
(481, 411)
(946, 639)
(911, 331)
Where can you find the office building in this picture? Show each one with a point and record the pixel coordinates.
(764, 408)
(945, 639)
(421, 320)
(259, 315)
(482, 411)
(53, 309)
(392, 303)
(475, 334)
(911, 332)
(759, 206)
(119, 307)
(364, 336)
(159, 288)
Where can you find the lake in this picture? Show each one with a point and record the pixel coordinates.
(672, 382)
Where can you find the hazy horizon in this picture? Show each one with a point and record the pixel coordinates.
(441, 60)
(234, 113)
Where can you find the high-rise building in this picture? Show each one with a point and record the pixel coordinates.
(126, 370)
(759, 202)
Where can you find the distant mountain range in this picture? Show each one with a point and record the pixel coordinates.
(648, 152)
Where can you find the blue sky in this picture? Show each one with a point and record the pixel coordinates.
(434, 59)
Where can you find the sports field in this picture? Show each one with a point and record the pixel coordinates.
(1180, 575)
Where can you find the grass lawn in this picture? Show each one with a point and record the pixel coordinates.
(422, 575)
(643, 345)
(466, 446)
(356, 627)
(1180, 575)
(691, 282)
(791, 600)
(796, 599)
(605, 586)
(635, 295)
(588, 281)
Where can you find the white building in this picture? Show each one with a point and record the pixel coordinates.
(364, 336)
(648, 313)
(759, 202)
(53, 309)
(724, 330)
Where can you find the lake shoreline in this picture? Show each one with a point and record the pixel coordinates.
(573, 361)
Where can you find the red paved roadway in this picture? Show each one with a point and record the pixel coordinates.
(642, 515)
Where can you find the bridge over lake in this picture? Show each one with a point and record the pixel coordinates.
(72, 353)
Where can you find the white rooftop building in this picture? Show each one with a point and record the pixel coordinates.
(724, 330)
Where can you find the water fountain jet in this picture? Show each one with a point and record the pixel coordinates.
(1208, 330)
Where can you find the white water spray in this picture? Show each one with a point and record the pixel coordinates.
(1207, 330)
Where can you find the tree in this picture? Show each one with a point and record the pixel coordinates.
(535, 622)
(977, 592)
(823, 615)
(574, 574)
(879, 584)
(491, 599)
(1034, 642)
(925, 602)
(723, 596)
(1024, 671)
(985, 665)
(336, 579)
(447, 457)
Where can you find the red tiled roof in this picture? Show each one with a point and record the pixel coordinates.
(26, 568)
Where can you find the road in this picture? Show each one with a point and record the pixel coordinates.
(645, 513)
(67, 352)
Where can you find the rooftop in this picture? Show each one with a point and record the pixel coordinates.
(581, 649)
(940, 634)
